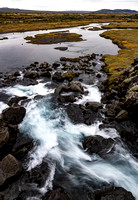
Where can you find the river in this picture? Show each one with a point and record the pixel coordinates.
(59, 140)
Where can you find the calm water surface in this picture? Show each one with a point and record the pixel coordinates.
(15, 52)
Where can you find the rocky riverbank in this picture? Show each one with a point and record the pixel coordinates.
(68, 78)
(122, 106)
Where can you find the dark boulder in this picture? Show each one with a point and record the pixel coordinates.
(61, 48)
(44, 65)
(9, 168)
(122, 115)
(66, 98)
(46, 74)
(93, 105)
(15, 100)
(22, 146)
(17, 73)
(75, 86)
(31, 74)
(14, 115)
(98, 144)
(4, 136)
(112, 193)
(55, 65)
(57, 77)
(75, 113)
(57, 194)
(61, 88)
(39, 174)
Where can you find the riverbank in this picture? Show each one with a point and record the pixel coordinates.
(127, 40)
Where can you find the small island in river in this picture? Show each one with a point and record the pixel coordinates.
(54, 37)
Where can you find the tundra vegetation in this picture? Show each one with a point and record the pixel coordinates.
(127, 40)
(10, 22)
(54, 37)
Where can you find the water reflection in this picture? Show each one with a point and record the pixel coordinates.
(15, 52)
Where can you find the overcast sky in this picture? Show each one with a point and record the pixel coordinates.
(55, 5)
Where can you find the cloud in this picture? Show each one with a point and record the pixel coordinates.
(70, 4)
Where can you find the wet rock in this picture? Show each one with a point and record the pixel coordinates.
(131, 105)
(93, 56)
(22, 146)
(61, 48)
(118, 106)
(112, 193)
(17, 73)
(55, 65)
(75, 113)
(93, 105)
(98, 75)
(57, 194)
(4, 97)
(31, 75)
(36, 63)
(39, 174)
(61, 88)
(11, 78)
(122, 115)
(14, 115)
(16, 100)
(63, 59)
(75, 86)
(94, 64)
(9, 168)
(46, 74)
(44, 65)
(57, 77)
(98, 144)
(33, 65)
(4, 136)
(66, 98)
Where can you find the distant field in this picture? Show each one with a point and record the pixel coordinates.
(10, 22)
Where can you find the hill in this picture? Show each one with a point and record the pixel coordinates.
(102, 11)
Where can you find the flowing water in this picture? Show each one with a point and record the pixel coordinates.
(59, 141)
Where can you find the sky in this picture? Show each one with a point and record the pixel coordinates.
(60, 5)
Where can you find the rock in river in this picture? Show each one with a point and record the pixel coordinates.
(14, 114)
(58, 194)
(98, 144)
(112, 193)
(9, 167)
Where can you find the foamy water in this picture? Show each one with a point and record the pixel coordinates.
(61, 141)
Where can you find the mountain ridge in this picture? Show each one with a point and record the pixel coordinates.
(102, 11)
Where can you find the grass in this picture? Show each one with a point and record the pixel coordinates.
(128, 41)
(122, 25)
(16, 22)
(54, 37)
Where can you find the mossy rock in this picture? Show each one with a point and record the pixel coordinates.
(70, 75)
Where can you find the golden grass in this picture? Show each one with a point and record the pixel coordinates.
(121, 25)
(128, 41)
(16, 22)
